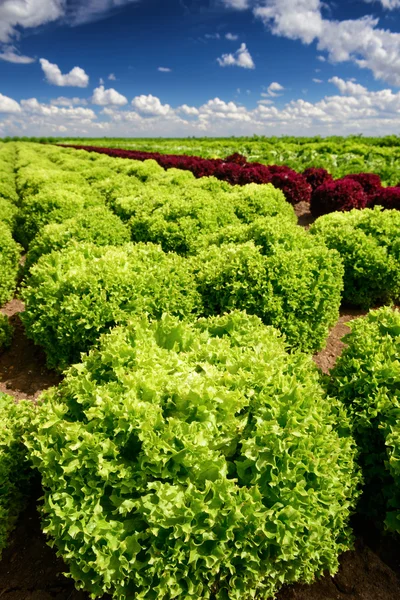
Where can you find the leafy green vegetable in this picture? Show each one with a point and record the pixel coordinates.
(9, 260)
(15, 472)
(6, 332)
(74, 295)
(296, 290)
(99, 226)
(369, 244)
(367, 380)
(8, 212)
(194, 461)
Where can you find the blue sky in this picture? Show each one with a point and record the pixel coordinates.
(199, 67)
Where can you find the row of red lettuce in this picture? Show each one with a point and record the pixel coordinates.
(315, 185)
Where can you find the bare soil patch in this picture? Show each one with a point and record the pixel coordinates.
(305, 218)
(23, 372)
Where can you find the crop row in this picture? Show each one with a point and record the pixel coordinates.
(192, 450)
(314, 185)
(338, 155)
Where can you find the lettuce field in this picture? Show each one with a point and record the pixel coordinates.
(199, 369)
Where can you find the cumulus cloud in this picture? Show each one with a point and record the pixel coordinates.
(315, 80)
(150, 105)
(11, 54)
(348, 87)
(63, 101)
(75, 78)
(103, 97)
(241, 58)
(8, 105)
(33, 106)
(188, 110)
(27, 13)
(112, 77)
(274, 88)
(357, 40)
(217, 109)
(350, 108)
(232, 37)
(164, 69)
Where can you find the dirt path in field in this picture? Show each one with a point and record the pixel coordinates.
(23, 372)
(304, 217)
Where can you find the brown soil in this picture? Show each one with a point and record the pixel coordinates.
(23, 372)
(362, 576)
(302, 210)
(326, 359)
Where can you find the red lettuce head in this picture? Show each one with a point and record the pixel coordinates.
(370, 182)
(254, 174)
(236, 158)
(229, 172)
(388, 197)
(293, 185)
(279, 169)
(339, 195)
(316, 177)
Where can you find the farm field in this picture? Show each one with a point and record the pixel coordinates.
(339, 155)
(204, 431)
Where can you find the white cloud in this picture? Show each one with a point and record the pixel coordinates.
(212, 36)
(17, 14)
(274, 88)
(8, 105)
(33, 106)
(27, 13)
(236, 4)
(150, 105)
(217, 109)
(11, 54)
(188, 110)
(232, 37)
(321, 58)
(241, 58)
(75, 78)
(352, 109)
(101, 81)
(103, 97)
(388, 4)
(112, 77)
(164, 69)
(85, 11)
(63, 101)
(355, 40)
(294, 19)
(315, 80)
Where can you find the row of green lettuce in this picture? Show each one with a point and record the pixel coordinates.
(9, 250)
(107, 239)
(203, 460)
